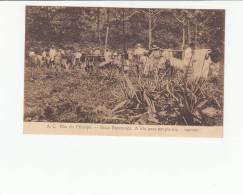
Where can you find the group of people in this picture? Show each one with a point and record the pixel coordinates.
(143, 61)
(58, 57)
(154, 60)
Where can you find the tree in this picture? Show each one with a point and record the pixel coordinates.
(182, 20)
(124, 27)
(107, 26)
(98, 26)
(152, 17)
(124, 15)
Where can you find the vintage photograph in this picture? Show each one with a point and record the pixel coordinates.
(136, 66)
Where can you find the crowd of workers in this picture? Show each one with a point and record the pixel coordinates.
(143, 61)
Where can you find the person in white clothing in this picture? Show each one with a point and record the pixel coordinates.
(138, 53)
(188, 55)
(97, 51)
(107, 56)
(52, 54)
(167, 54)
(188, 61)
(77, 57)
(31, 55)
(33, 62)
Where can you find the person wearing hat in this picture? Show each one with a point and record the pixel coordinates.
(31, 54)
(52, 54)
(116, 60)
(188, 60)
(153, 60)
(44, 56)
(167, 53)
(188, 54)
(139, 50)
(125, 60)
(97, 55)
(107, 56)
(97, 51)
(167, 56)
(107, 59)
(138, 53)
(33, 60)
(66, 61)
(77, 57)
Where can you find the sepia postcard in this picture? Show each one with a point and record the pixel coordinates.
(124, 71)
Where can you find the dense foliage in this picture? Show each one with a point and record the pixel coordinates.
(89, 26)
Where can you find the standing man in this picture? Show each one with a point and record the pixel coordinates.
(107, 56)
(69, 56)
(31, 56)
(33, 62)
(52, 54)
(138, 53)
(168, 55)
(188, 60)
(77, 58)
(97, 55)
(188, 53)
(154, 59)
(44, 57)
(97, 51)
(126, 62)
(58, 60)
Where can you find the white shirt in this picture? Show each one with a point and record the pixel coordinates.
(139, 51)
(31, 53)
(78, 55)
(52, 53)
(97, 52)
(107, 56)
(188, 52)
(187, 56)
(167, 54)
(44, 54)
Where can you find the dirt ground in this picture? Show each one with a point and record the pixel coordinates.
(66, 96)
(76, 97)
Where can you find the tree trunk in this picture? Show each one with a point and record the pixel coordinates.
(196, 36)
(106, 36)
(150, 31)
(107, 28)
(123, 29)
(188, 32)
(183, 38)
(98, 26)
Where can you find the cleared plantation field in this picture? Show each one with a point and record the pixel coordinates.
(66, 96)
(74, 96)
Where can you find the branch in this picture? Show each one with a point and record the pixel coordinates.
(154, 24)
(113, 20)
(127, 17)
(181, 21)
(146, 13)
(156, 13)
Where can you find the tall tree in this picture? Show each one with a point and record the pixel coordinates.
(98, 26)
(107, 26)
(182, 20)
(152, 17)
(124, 15)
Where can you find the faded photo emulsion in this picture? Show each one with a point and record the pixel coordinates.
(124, 71)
